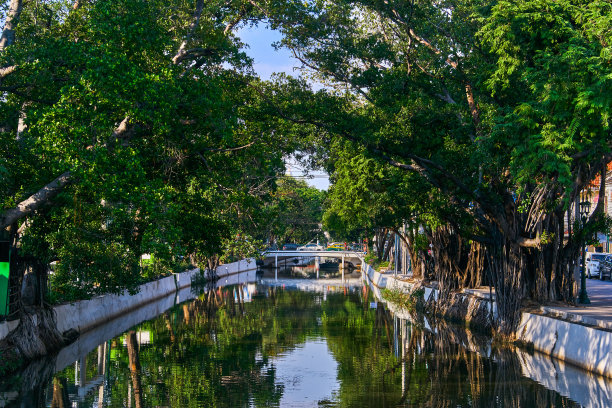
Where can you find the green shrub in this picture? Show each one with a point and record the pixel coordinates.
(407, 301)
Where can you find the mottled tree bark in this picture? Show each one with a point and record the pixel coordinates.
(12, 17)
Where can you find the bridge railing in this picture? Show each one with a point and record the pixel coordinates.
(329, 254)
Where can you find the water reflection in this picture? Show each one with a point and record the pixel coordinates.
(267, 345)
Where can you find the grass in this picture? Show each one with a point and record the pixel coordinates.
(407, 301)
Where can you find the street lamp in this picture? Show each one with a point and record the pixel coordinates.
(585, 208)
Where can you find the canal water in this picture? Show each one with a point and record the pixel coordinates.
(294, 343)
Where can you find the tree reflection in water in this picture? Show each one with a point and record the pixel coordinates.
(454, 368)
(222, 350)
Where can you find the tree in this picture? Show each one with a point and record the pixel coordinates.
(128, 127)
(294, 212)
(498, 106)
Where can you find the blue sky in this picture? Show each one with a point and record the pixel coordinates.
(267, 61)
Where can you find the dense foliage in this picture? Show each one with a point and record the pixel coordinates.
(133, 127)
(497, 113)
(294, 213)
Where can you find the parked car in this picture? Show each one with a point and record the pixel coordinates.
(290, 247)
(593, 263)
(356, 246)
(336, 246)
(271, 247)
(605, 267)
(311, 247)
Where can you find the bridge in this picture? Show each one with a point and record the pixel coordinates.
(342, 255)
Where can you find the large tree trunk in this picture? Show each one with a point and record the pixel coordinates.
(418, 269)
(36, 334)
(507, 263)
(10, 23)
(475, 270)
(450, 259)
(542, 272)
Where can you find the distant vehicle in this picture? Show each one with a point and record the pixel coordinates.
(311, 247)
(356, 246)
(290, 247)
(272, 247)
(593, 263)
(336, 246)
(605, 267)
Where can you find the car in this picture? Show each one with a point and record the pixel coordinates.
(311, 247)
(290, 247)
(271, 247)
(605, 267)
(593, 263)
(356, 246)
(336, 246)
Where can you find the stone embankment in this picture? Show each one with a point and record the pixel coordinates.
(570, 337)
(85, 315)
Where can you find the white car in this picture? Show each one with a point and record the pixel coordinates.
(593, 262)
(311, 247)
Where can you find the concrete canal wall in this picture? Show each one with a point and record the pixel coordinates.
(473, 307)
(582, 344)
(585, 346)
(85, 315)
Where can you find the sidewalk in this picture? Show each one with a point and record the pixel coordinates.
(598, 313)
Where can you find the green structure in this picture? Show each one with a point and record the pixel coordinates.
(4, 276)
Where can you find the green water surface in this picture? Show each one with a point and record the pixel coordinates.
(266, 346)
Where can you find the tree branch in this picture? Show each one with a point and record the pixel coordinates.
(6, 71)
(229, 149)
(8, 34)
(193, 54)
(192, 27)
(35, 201)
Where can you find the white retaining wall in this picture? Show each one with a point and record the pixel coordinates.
(378, 279)
(587, 389)
(84, 315)
(87, 314)
(577, 344)
(236, 267)
(584, 346)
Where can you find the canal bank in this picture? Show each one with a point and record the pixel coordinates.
(85, 315)
(33, 376)
(309, 344)
(572, 335)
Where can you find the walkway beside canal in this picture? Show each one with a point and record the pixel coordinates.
(598, 313)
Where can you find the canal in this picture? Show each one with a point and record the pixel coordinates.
(293, 343)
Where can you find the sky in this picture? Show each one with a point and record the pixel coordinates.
(267, 61)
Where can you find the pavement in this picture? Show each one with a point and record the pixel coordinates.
(598, 313)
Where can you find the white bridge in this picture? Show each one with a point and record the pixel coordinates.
(342, 255)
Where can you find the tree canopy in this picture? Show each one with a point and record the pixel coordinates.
(500, 107)
(131, 127)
